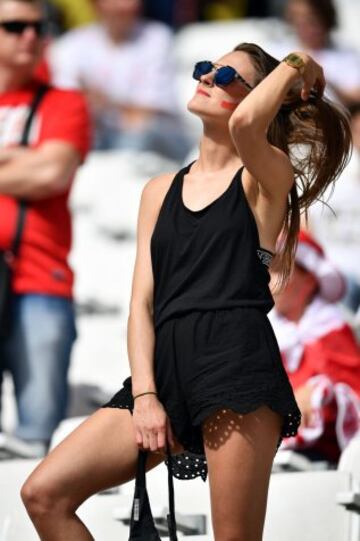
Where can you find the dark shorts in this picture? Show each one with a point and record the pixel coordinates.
(209, 360)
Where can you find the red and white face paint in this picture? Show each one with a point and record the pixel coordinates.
(229, 105)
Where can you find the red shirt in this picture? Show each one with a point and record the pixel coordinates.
(41, 265)
(336, 355)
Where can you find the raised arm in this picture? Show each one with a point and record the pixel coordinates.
(250, 122)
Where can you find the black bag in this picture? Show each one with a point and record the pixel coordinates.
(142, 526)
(7, 257)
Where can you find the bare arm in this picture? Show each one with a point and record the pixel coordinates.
(250, 121)
(149, 415)
(38, 173)
(141, 337)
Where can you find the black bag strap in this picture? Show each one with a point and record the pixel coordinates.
(40, 93)
(171, 515)
(43, 88)
(141, 469)
(141, 482)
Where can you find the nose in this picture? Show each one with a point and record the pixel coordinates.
(30, 34)
(208, 78)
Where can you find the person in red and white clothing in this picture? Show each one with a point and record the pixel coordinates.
(320, 354)
(37, 352)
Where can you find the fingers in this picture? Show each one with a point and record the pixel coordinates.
(169, 432)
(305, 91)
(151, 440)
(320, 84)
(315, 80)
(161, 434)
(155, 440)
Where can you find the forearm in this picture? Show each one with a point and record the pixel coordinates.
(261, 105)
(33, 175)
(141, 344)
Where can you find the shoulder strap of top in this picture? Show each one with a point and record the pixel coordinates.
(172, 195)
(177, 180)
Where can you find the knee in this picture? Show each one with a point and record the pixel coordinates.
(38, 497)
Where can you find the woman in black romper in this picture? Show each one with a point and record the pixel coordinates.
(205, 365)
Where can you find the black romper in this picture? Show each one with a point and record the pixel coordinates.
(214, 345)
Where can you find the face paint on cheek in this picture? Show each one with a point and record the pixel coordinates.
(230, 105)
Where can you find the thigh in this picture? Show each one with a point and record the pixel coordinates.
(100, 453)
(240, 450)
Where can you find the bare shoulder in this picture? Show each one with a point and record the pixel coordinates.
(155, 189)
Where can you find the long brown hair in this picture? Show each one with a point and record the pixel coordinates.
(316, 136)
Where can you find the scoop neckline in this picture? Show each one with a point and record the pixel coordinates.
(203, 209)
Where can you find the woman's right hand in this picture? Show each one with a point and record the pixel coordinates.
(312, 77)
(152, 424)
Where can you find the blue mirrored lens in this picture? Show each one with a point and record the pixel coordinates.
(225, 75)
(202, 68)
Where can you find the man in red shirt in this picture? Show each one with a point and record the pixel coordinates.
(37, 352)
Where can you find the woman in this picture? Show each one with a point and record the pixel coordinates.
(201, 348)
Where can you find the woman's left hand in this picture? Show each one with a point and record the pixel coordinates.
(313, 77)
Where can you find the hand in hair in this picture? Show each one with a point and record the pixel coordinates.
(313, 77)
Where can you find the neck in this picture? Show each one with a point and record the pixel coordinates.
(118, 35)
(12, 80)
(321, 43)
(217, 151)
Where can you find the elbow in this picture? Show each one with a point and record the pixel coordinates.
(241, 123)
(51, 181)
(138, 306)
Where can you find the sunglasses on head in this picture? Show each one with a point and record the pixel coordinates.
(224, 75)
(19, 27)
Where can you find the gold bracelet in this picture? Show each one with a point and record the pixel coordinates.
(295, 61)
(141, 394)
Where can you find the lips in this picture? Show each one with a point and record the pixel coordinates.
(203, 92)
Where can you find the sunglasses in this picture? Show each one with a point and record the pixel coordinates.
(224, 75)
(19, 27)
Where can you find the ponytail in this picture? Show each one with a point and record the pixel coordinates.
(316, 135)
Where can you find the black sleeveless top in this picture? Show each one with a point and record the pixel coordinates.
(209, 258)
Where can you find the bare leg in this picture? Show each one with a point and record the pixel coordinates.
(240, 450)
(99, 454)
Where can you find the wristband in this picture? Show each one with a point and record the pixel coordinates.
(141, 394)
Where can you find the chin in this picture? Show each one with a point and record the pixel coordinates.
(26, 60)
(206, 110)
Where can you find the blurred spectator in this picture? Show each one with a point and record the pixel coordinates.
(37, 351)
(232, 9)
(320, 354)
(338, 228)
(76, 13)
(175, 13)
(220, 10)
(179, 12)
(312, 22)
(125, 66)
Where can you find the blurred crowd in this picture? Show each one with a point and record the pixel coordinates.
(108, 69)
